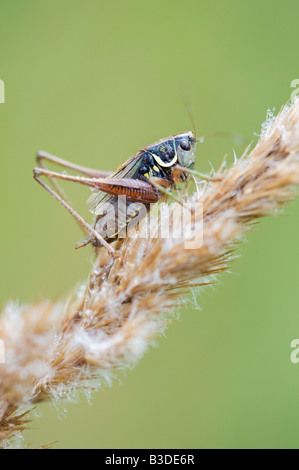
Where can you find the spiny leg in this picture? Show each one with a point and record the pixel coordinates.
(42, 155)
(135, 190)
(37, 172)
(182, 169)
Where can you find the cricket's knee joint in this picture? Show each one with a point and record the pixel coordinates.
(36, 173)
(40, 155)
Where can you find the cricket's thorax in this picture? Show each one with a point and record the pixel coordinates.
(159, 159)
(149, 167)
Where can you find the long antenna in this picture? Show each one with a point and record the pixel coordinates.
(236, 138)
(189, 110)
(187, 100)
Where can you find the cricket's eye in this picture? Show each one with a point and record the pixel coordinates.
(185, 145)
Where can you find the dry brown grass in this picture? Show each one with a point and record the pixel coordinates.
(54, 349)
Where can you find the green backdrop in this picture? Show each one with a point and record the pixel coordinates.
(92, 82)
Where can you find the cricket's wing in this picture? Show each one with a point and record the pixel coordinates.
(126, 170)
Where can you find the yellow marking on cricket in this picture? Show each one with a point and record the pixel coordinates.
(161, 163)
(155, 168)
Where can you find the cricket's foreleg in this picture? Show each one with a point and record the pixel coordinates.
(163, 186)
(37, 172)
(178, 170)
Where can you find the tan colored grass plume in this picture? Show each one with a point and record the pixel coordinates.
(52, 350)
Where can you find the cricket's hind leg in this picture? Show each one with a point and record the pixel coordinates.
(85, 241)
(38, 172)
(42, 157)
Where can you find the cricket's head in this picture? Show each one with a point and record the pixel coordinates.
(185, 144)
(174, 150)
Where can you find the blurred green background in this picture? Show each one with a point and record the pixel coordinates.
(92, 82)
